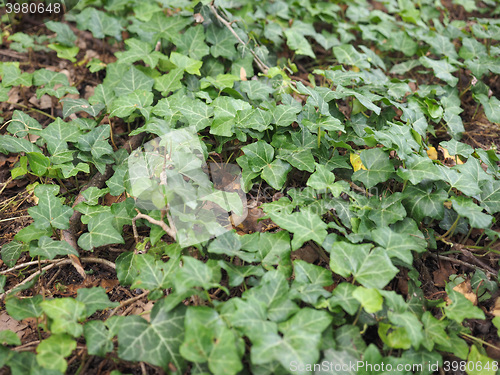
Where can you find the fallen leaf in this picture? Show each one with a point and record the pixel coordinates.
(465, 289)
(432, 153)
(356, 162)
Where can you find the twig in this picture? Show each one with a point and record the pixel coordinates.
(170, 231)
(263, 67)
(462, 263)
(59, 263)
(128, 302)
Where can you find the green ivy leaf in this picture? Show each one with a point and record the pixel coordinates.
(80, 105)
(94, 299)
(50, 212)
(47, 248)
(379, 168)
(98, 338)
(24, 308)
(132, 81)
(39, 163)
(222, 41)
(65, 314)
(304, 225)
(208, 339)
(156, 342)
(52, 351)
(466, 208)
(372, 269)
(369, 299)
(461, 308)
(192, 43)
(442, 69)
(101, 232)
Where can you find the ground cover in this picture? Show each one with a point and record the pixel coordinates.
(251, 187)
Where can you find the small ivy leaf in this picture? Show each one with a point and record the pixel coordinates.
(101, 232)
(442, 69)
(169, 82)
(461, 308)
(52, 351)
(343, 296)
(372, 269)
(298, 43)
(491, 107)
(378, 167)
(80, 105)
(139, 50)
(304, 225)
(94, 299)
(222, 41)
(7, 337)
(39, 163)
(369, 299)
(186, 63)
(208, 339)
(47, 248)
(12, 251)
(22, 124)
(165, 27)
(258, 154)
(193, 273)
(347, 54)
(132, 81)
(98, 338)
(65, 314)
(412, 325)
(466, 208)
(156, 342)
(435, 332)
(490, 196)
(99, 23)
(397, 245)
(275, 173)
(50, 212)
(16, 145)
(421, 201)
(284, 115)
(192, 43)
(461, 181)
(256, 90)
(24, 308)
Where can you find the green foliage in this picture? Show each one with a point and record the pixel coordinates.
(206, 91)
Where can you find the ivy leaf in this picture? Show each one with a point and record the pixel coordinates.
(298, 43)
(466, 208)
(460, 181)
(347, 54)
(186, 63)
(323, 180)
(258, 154)
(420, 201)
(12, 251)
(208, 339)
(99, 23)
(398, 245)
(156, 342)
(490, 196)
(94, 299)
(53, 350)
(65, 313)
(193, 273)
(101, 232)
(222, 41)
(369, 299)
(343, 296)
(491, 107)
(372, 269)
(50, 212)
(98, 338)
(80, 105)
(126, 104)
(461, 308)
(165, 27)
(442, 69)
(49, 249)
(169, 82)
(24, 308)
(139, 50)
(39, 163)
(419, 169)
(256, 90)
(275, 173)
(21, 124)
(284, 115)
(304, 225)
(133, 80)
(379, 168)
(192, 43)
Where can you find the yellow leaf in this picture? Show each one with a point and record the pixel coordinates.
(447, 155)
(243, 74)
(356, 162)
(432, 153)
